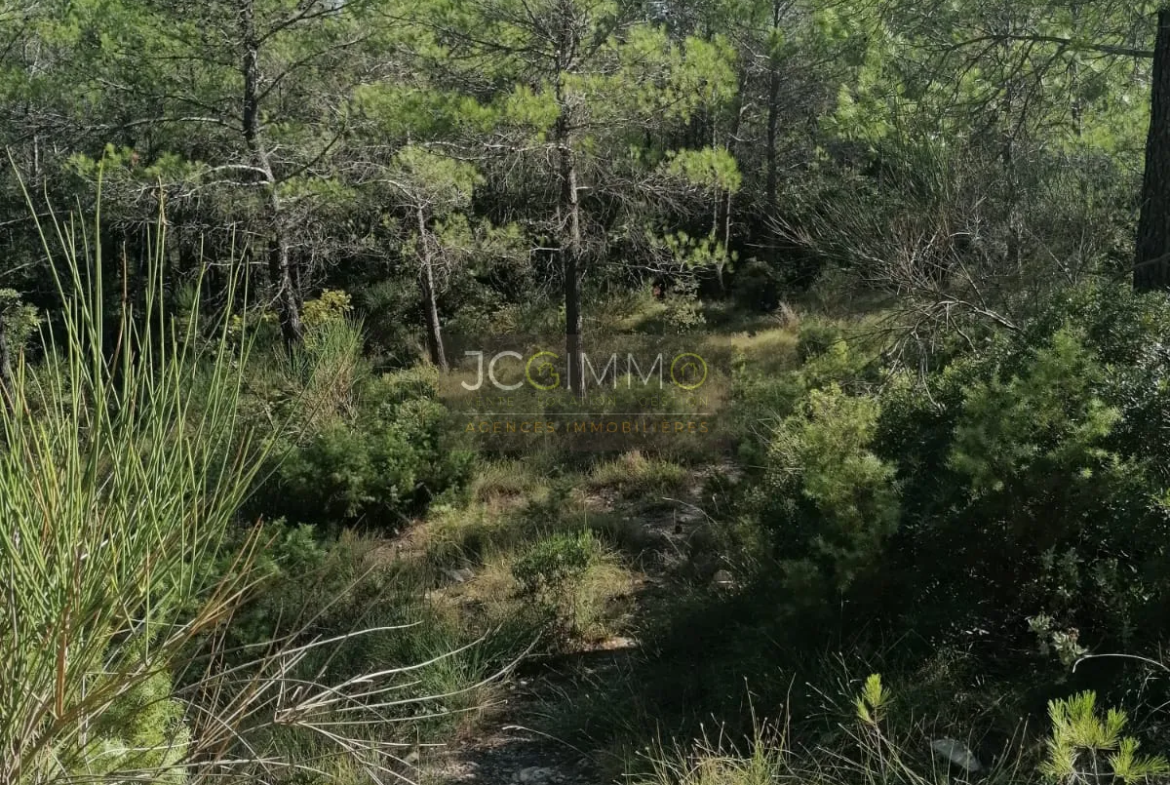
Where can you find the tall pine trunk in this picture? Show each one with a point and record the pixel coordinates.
(571, 258)
(772, 165)
(571, 244)
(7, 391)
(280, 262)
(1152, 262)
(430, 299)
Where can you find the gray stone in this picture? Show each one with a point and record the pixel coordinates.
(534, 774)
(723, 579)
(956, 753)
(459, 576)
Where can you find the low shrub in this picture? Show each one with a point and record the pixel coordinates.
(817, 337)
(829, 501)
(637, 475)
(378, 465)
(568, 580)
(1026, 479)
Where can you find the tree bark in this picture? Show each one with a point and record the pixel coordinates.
(571, 258)
(280, 262)
(773, 177)
(7, 391)
(1152, 263)
(430, 301)
(730, 146)
(571, 247)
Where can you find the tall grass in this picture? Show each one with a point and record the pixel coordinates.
(123, 465)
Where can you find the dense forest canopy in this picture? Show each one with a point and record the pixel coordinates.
(469, 150)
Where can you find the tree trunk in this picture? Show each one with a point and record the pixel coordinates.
(280, 262)
(772, 183)
(430, 301)
(1007, 154)
(280, 269)
(571, 257)
(773, 178)
(7, 390)
(571, 248)
(1152, 262)
(730, 146)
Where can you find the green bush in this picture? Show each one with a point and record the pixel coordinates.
(1031, 474)
(554, 561)
(817, 337)
(567, 581)
(828, 500)
(381, 463)
(757, 286)
(1027, 479)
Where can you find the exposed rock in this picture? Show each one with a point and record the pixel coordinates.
(723, 579)
(533, 774)
(459, 576)
(956, 753)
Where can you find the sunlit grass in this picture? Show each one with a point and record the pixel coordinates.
(124, 462)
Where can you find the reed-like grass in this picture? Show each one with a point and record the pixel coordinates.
(123, 464)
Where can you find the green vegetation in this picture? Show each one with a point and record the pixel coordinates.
(379, 379)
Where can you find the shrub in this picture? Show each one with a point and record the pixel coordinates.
(142, 730)
(1031, 474)
(757, 286)
(1046, 419)
(828, 500)
(332, 305)
(554, 561)
(817, 337)
(384, 461)
(684, 310)
(569, 582)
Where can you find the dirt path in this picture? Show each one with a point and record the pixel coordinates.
(511, 751)
(508, 748)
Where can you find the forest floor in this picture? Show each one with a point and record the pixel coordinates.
(521, 736)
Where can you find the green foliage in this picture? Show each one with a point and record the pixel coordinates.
(565, 580)
(817, 338)
(390, 456)
(329, 306)
(1045, 420)
(1019, 482)
(831, 501)
(1082, 743)
(20, 320)
(684, 311)
(873, 700)
(554, 561)
(709, 168)
(116, 488)
(142, 730)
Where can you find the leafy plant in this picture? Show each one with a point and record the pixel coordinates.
(830, 502)
(1085, 747)
(555, 561)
